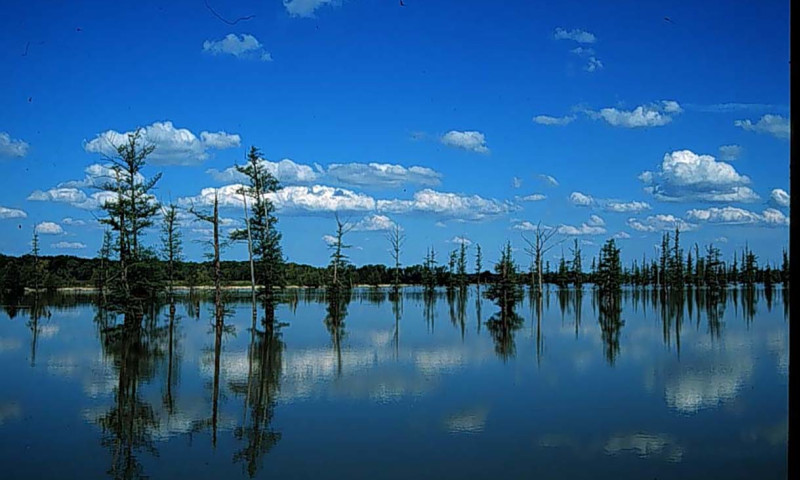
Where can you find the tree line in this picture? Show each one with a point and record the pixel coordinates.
(127, 271)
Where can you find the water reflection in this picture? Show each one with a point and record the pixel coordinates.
(244, 383)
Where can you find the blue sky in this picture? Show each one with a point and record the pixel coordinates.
(643, 123)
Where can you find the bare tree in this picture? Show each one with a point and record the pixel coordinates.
(396, 239)
(213, 219)
(537, 248)
(171, 243)
(338, 258)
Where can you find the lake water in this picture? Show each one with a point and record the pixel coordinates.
(416, 388)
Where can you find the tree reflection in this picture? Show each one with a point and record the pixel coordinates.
(610, 311)
(128, 425)
(263, 385)
(506, 292)
(338, 300)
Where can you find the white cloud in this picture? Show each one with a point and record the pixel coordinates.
(548, 120)
(525, 226)
(173, 146)
(64, 195)
(286, 171)
(583, 229)
(779, 198)
(73, 222)
(621, 235)
(550, 180)
(305, 8)
(660, 222)
(451, 205)
(577, 35)
(627, 207)
(467, 140)
(329, 239)
(292, 199)
(12, 147)
(580, 199)
(68, 245)
(730, 152)
(96, 175)
(596, 221)
(582, 51)
(516, 182)
(461, 240)
(738, 216)
(593, 64)
(654, 115)
(73, 196)
(685, 176)
(49, 228)
(374, 223)
(245, 47)
(775, 125)
(383, 174)
(534, 197)
(6, 212)
(721, 239)
(320, 198)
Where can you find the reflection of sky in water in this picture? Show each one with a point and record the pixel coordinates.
(435, 384)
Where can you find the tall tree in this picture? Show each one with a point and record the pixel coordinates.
(542, 236)
(338, 257)
(479, 262)
(577, 269)
(171, 244)
(462, 265)
(213, 219)
(131, 210)
(396, 239)
(266, 240)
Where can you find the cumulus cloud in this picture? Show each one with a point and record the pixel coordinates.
(68, 245)
(653, 115)
(593, 64)
(451, 205)
(779, 198)
(12, 147)
(461, 240)
(580, 199)
(374, 223)
(738, 216)
(534, 197)
(660, 222)
(286, 171)
(305, 8)
(577, 35)
(585, 228)
(73, 196)
(686, 176)
(6, 212)
(468, 140)
(596, 221)
(292, 199)
(329, 240)
(49, 228)
(558, 121)
(516, 182)
(73, 222)
(730, 152)
(96, 175)
(525, 226)
(382, 174)
(621, 235)
(246, 46)
(626, 207)
(775, 125)
(173, 146)
(548, 179)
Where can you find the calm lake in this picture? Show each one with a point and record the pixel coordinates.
(415, 387)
